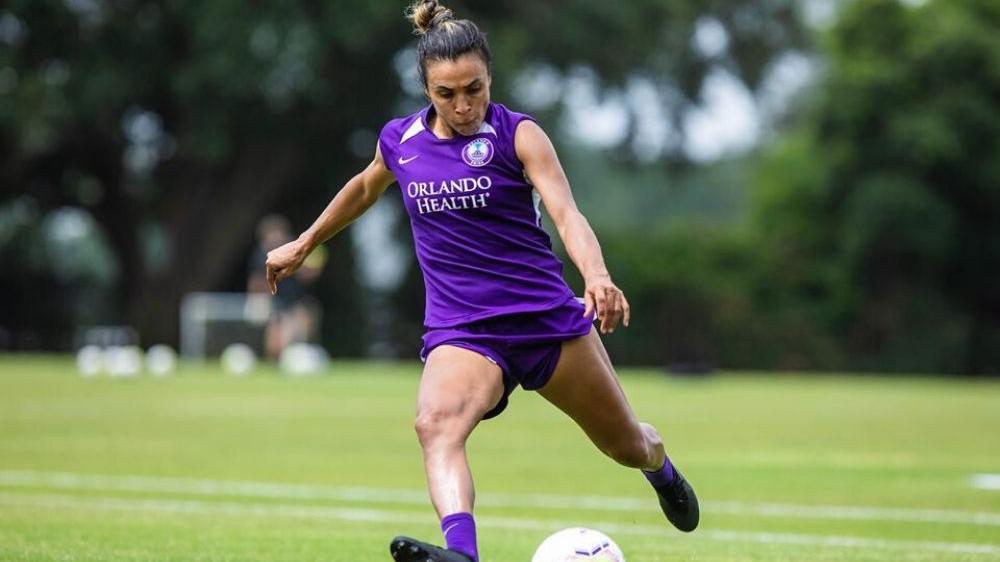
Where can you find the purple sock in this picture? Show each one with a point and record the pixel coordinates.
(661, 477)
(459, 531)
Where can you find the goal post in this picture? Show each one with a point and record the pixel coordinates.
(211, 321)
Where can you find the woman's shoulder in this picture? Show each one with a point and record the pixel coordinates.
(399, 126)
(503, 125)
(503, 118)
(398, 130)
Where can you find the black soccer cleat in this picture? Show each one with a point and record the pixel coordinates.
(679, 503)
(405, 549)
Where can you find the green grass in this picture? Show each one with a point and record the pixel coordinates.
(745, 441)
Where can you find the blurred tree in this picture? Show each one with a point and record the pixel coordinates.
(882, 215)
(176, 125)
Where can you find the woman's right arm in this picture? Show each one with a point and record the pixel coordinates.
(357, 195)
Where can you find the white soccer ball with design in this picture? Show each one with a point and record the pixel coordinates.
(578, 543)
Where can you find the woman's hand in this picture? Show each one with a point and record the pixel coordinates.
(608, 300)
(283, 261)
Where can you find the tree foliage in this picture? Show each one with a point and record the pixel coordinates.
(176, 125)
(885, 207)
(873, 238)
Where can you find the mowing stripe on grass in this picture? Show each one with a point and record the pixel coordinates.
(542, 526)
(148, 484)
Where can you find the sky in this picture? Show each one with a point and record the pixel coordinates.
(729, 119)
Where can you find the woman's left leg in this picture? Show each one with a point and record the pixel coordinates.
(584, 371)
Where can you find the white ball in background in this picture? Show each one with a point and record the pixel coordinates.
(123, 361)
(300, 359)
(238, 359)
(578, 543)
(161, 360)
(90, 361)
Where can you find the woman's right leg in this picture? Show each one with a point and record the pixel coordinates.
(457, 389)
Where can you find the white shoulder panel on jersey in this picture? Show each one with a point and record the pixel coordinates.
(487, 128)
(415, 128)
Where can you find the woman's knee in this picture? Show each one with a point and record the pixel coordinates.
(635, 449)
(437, 424)
(652, 436)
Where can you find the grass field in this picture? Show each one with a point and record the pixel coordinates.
(206, 467)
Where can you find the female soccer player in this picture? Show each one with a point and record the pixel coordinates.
(498, 312)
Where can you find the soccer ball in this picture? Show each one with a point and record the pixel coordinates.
(161, 360)
(123, 360)
(578, 543)
(301, 359)
(90, 361)
(238, 359)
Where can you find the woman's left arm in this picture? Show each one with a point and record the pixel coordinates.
(541, 165)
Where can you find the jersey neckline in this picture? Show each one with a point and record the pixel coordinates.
(425, 112)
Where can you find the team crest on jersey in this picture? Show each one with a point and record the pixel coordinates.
(478, 152)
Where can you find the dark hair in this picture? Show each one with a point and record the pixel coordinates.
(442, 37)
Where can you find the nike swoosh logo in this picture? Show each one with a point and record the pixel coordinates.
(453, 525)
(406, 160)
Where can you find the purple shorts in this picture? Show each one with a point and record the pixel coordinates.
(525, 346)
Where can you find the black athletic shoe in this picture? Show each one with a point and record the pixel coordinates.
(679, 503)
(405, 549)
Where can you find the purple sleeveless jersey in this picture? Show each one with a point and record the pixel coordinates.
(475, 219)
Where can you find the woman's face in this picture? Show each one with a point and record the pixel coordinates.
(460, 91)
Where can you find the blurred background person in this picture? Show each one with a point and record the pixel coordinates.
(294, 312)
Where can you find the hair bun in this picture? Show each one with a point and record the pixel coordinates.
(425, 14)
